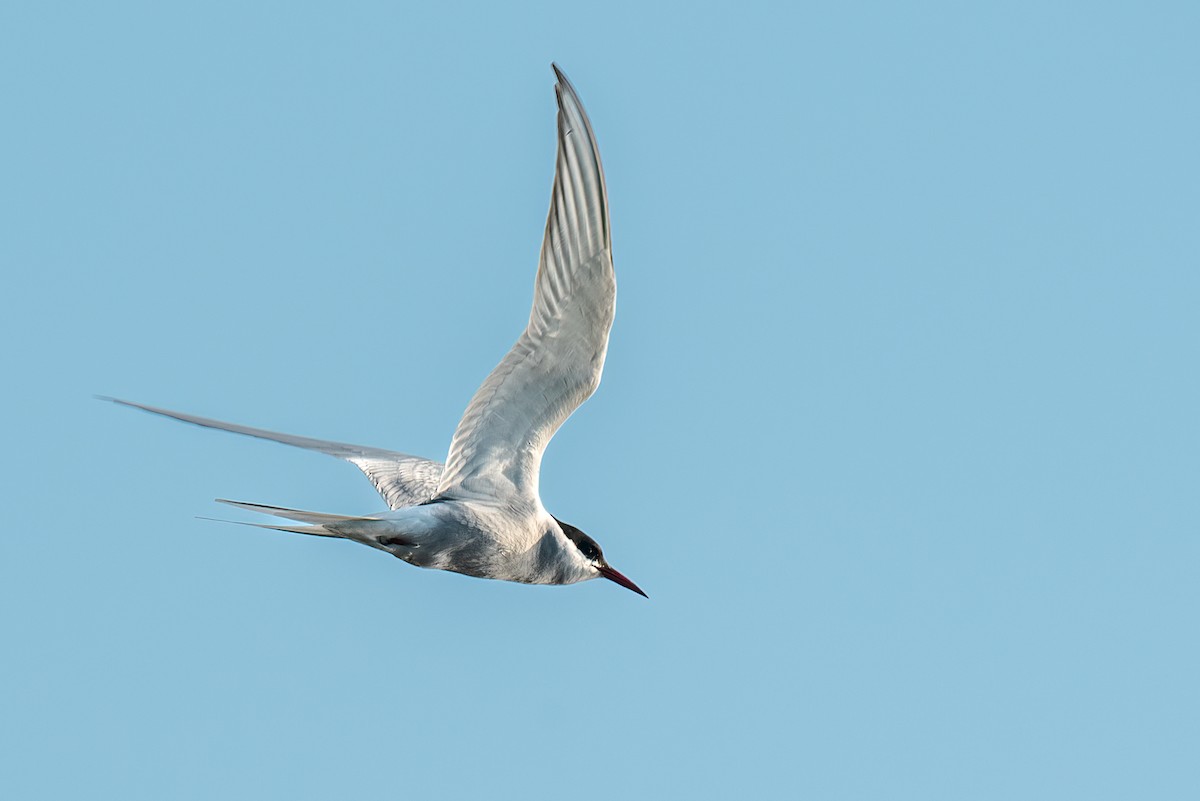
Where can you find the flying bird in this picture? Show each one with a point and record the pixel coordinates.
(480, 513)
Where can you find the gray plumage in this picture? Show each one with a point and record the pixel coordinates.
(480, 514)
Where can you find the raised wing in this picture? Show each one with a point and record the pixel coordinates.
(401, 479)
(555, 366)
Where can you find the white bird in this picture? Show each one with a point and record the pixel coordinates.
(480, 513)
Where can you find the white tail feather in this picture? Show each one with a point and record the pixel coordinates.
(321, 523)
(318, 531)
(318, 518)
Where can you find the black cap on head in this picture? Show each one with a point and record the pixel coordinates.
(591, 550)
(586, 545)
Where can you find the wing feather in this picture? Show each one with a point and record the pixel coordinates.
(556, 364)
(401, 479)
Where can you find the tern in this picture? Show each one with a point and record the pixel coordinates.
(480, 513)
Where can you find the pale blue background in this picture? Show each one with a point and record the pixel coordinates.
(898, 429)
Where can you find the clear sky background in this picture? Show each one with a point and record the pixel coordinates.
(898, 429)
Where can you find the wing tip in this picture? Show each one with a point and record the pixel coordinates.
(135, 405)
(564, 88)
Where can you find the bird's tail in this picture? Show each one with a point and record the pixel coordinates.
(319, 524)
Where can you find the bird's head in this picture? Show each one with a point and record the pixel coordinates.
(594, 557)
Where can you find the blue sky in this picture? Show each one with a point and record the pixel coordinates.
(898, 427)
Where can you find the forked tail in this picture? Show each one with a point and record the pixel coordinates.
(319, 524)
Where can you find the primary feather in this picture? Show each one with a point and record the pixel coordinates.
(401, 479)
(556, 364)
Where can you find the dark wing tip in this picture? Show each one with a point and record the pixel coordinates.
(572, 116)
(565, 87)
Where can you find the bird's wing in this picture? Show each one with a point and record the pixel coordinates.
(555, 366)
(401, 479)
